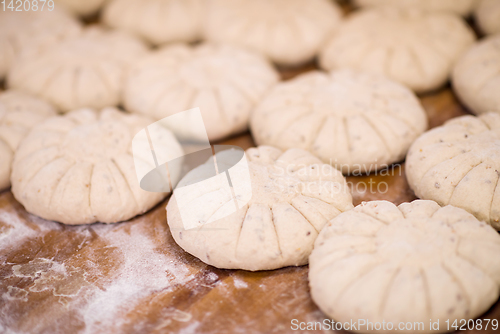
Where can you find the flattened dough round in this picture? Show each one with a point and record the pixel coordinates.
(409, 263)
(19, 112)
(157, 21)
(461, 7)
(32, 30)
(293, 196)
(415, 48)
(487, 15)
(82, 8)
(78, 168)
(476, 76)
(224, 81)
(357, 122)
(289, 32)
(87, 71)
(459, 164)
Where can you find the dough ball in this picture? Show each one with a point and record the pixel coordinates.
(87, 71)
(81, 7)
(459, 164)
(415, 48)
(476, 76)
(293, 195)
(19, 112)
(355, 121)
(409, 263)
(224, 81)
(78, 168)
(461, 7)
(157, 21)
(487, 16)
(289, 32)
(32, 31)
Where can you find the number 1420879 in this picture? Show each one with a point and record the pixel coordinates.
(27, 5)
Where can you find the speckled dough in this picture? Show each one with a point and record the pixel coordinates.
(293, 197)
(476, 77)
(32, 30)
(19, 112)
(87, 71)
(461, 7)
(402, 264)
(224, 81)
(289, 32)
(157, 21)
(459, 164)
(82, 8)
(415, 48)
(355, 121)
(78, 168)
(487, 16)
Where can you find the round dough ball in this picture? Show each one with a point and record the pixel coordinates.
(224, 81)
(487, 16)
(32, 31)
(415, 48)
(459, 164)
(293, 197)
(289, 32)
(19, 112)
(78, 168)
(82, 8)
(402, 264)
(157, 21)
(476, 76)
(355, 121)
(461, 7)
(87, 71)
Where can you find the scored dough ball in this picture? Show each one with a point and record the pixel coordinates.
(157, 21)
(225, 82)
(415, 48)
(476, 77)
(19, 112)
(403, 264)
(289, 32)
(82, 8)
(461, 7)
(487, 16)
(87, 71)
(459, 164)
(355, 121)
(78, 168)
(32, 30)
(293, 195)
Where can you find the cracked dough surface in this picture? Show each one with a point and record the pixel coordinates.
(487, 16)
(461, 7)
(157, 21)
(459, 164)
(32, 30)
(409, 263)
(293, 197)
(413, 47)
(19, 112)
(355, 121)
(476, 76)
(224, 81)
(86, 71)
(289, 32)
(78, 168)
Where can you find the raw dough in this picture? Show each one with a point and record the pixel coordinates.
(459, 164)
(487, 16)
(293, 196)
(32, 30)
(19, 112)
(87, 71)
(355, 121)
(461, 7)
(157, 21)
(78, 168)
(416, 48)
(224, 81)
(289, 32)
(82, 8)
(409, 263)
(476, 77)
